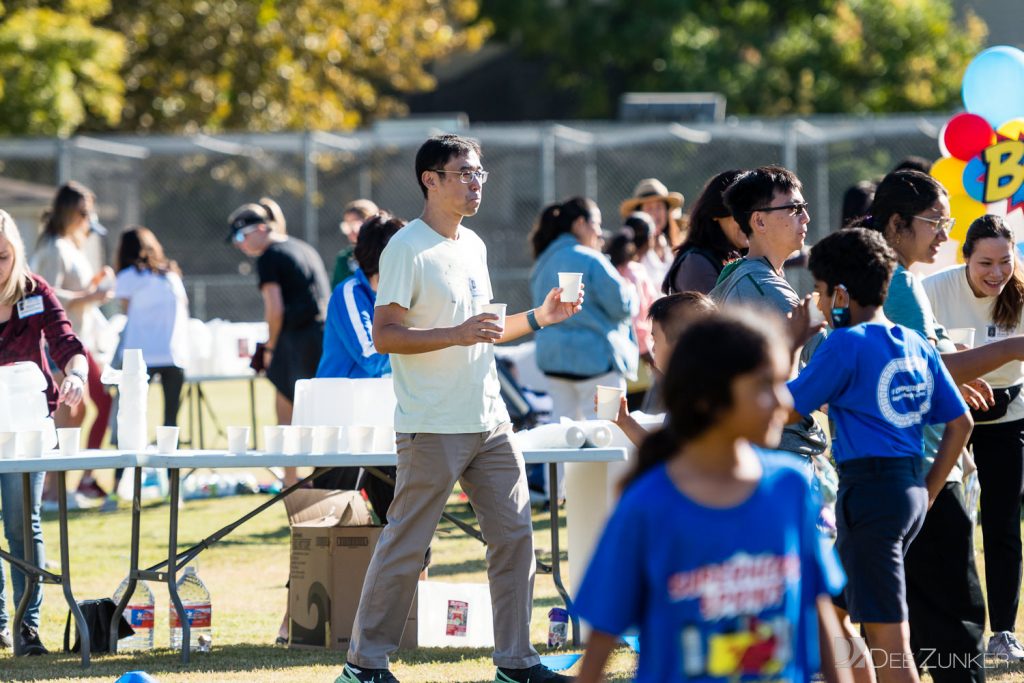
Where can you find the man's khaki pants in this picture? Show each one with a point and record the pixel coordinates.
(491, 471)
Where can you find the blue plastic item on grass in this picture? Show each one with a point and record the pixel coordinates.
(136, 677)
(633, 642)
(559, 662)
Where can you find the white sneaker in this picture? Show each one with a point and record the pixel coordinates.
(1005, 646)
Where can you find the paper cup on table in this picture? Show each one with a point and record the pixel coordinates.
(325, 439)
(69, 439)
(238, 440)
(305, 440)
(360, 439)
(273, 438)
(608, 401)
(8, 445)
(290, 439)
(570, 284)
(383, 440)
(166, 439)
(962, 335)
(498, 310)
(30, 444)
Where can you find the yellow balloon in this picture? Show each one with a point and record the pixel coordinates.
(1012, 129)
(965, 210)
(950, 172)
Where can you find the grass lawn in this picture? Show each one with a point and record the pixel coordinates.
(246, 575)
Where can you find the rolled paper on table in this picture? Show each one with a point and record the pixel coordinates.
(598, 433)
(552, 436)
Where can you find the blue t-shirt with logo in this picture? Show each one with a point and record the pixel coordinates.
(718, 594)
(883, 384)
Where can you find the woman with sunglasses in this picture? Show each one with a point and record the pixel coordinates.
(294, 285)
(61, 258)
(986, 293)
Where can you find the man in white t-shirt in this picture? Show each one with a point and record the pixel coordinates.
(451, 422)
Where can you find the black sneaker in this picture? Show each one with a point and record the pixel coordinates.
(357, 674)
(30, 643)
(6, 642)
(538, 673)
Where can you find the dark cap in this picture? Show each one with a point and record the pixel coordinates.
(244, 220)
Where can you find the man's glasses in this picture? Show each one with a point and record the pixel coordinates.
(795, 209)
(466, 177)
(939, 224)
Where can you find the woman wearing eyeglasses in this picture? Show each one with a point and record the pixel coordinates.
(295, 290)
(986, 293)
(62, 260)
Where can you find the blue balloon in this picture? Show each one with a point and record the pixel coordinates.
(993, 86)
(974, 183)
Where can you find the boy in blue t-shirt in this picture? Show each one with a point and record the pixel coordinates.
(882, 383)
(713, 552)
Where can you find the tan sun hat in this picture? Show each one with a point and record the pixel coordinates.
(647, 189)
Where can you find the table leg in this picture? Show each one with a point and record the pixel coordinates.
(65, 568)
(133, 562)
(199, 413)
(252, 412)
(556, 561)
(28, 552)
(172, 568)
(191, 415)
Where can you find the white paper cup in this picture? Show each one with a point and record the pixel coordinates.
(166, 439)
(962, 335)
(608, 401)
(570, 284)
(273, 439)
(238, 440)
(30, 444)
(290, 440)
(69, 439)
(325, 439)
(360, 439)
(305, 438)
(8, 445)
(817, 317)
(498, 310)
(383, 440)
(131, 361)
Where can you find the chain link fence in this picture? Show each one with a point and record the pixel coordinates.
(183, 188)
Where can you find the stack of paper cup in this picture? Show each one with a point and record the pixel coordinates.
(133, 396)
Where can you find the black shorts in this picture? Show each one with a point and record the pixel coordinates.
(880, 508)
(296, 356)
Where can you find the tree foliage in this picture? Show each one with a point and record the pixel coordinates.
(768, 57)
(268, 65)
(57, 68)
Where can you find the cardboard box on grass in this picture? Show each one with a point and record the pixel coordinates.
(333, 538)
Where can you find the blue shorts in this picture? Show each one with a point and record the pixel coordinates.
(880, 507)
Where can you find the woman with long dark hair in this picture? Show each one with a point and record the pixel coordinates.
(597, 345)
(714, 239)
(60, 258)
(986, 293)
(153, 296)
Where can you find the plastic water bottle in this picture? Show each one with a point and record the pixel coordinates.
(139, 612)
(195, 598)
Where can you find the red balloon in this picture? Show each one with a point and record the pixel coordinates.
(966, 135)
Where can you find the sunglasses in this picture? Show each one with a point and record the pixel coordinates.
(795, 209)
(242, 233)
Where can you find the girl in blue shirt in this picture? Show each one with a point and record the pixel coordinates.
(732, 588)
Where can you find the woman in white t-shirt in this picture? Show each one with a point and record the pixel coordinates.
(987, 293)
(153, 297)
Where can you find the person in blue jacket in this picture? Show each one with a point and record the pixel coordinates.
(348, 345)
(348, 332)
